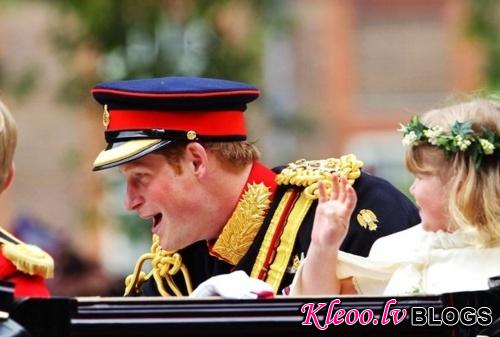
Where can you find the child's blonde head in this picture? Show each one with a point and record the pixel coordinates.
(8, 140)
(474, 191)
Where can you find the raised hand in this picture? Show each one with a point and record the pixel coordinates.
(333, 213)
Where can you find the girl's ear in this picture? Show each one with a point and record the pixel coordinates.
(10, 178)
(197, 157)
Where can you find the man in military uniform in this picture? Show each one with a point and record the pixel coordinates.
(180, 143)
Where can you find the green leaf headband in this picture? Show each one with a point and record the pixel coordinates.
(460, 138)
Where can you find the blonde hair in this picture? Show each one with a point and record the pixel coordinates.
(233, 156)
(474, 193)
(8, 140)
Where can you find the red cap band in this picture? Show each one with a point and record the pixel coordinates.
(205, 123)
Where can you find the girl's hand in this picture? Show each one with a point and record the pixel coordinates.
(333, 213)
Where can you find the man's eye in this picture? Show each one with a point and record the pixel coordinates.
(140, 177)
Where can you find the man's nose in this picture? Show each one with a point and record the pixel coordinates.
(133, 199)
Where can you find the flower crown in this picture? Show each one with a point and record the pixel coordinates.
(460, 138)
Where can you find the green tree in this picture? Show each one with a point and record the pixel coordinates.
(154, 38)
(485, 26)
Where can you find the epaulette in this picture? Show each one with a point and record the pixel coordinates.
(307, 173)
(301, 180)
(27, 258)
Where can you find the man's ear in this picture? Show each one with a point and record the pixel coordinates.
(197, 157)
(10, 178)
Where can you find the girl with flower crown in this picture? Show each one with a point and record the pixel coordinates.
(454, 155)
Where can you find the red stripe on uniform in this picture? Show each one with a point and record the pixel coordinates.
(271, 253)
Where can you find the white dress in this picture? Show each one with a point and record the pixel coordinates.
(415, 261)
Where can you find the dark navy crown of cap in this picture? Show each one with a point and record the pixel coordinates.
(175, 93)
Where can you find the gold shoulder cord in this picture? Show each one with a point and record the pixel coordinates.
(27, 258)
(165, 264)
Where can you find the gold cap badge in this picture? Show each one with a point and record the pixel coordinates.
(105, 116)
(367, 219)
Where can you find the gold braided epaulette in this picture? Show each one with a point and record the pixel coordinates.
(29, 259)
(307, 173)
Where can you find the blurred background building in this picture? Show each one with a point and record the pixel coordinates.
(337, 77)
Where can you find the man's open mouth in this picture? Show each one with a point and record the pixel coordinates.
(156, 220)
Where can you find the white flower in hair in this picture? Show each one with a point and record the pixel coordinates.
(462, 142)
(433, 133)
(488, 148)
(409, 139)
